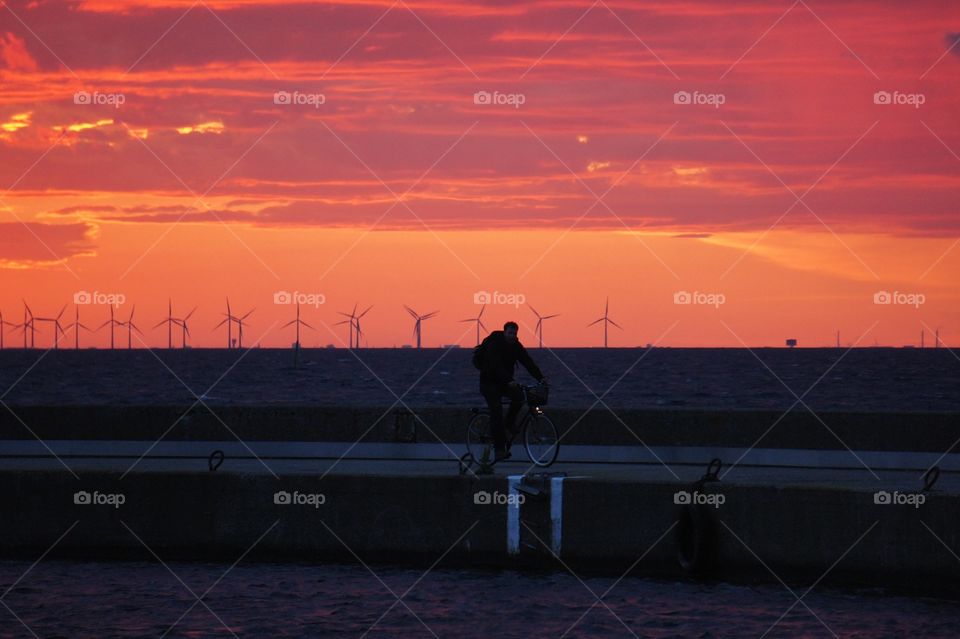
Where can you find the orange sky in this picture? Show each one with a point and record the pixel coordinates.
(786, 162)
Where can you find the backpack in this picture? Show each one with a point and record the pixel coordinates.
(478, 353)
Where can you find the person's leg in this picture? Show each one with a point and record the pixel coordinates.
(491, 393)
(516, 403)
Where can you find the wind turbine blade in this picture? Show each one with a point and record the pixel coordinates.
(161, 324)
(346, 321)
(411, 311)
(481, 325)
(365, 312)
(615, 324)
(551, 316)
(190, 314)
(60, 314)
(289, 323)
(429, 315)
(596, 321)
(221, 323)
(533, 309)
(308, 326)
(247, 315)
(482, 309)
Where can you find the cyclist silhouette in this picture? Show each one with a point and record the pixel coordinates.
(497, 358)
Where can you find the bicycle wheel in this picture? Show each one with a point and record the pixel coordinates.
(541, 440)
(479, 436)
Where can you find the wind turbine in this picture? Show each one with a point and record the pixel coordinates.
(356, 324)
(57, 327)
(478, 321)
(58, 332)
(113, 323)
(417, 332)
(28, 324)
(76, 326)
(538, 329)
(172, 321)
(298, 322)
(230, 319)
(351, 320)
(3, 323)
(240, 324)
(606, 322)
(186, 330)
(131, 327)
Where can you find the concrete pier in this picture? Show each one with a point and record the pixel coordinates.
(854, 510)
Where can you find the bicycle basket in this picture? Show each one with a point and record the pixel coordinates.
(537, 396)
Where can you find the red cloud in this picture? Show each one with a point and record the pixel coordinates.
(14, 54)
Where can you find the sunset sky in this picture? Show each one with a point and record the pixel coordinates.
(791, 160)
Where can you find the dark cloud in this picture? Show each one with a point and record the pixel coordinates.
(34, 242)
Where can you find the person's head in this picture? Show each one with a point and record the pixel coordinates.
(510, 331)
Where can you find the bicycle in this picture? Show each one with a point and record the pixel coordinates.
(540, 438)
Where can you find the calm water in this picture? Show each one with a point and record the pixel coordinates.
(871, 379)
(97, 599)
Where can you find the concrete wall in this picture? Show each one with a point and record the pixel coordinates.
(598, 525)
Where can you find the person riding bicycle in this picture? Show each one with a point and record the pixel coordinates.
(499, 353)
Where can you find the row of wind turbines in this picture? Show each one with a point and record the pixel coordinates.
(29, 326)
